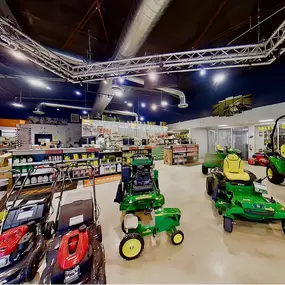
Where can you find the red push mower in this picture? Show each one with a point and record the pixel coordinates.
(259, 158)
(22, 236)
(76, 254)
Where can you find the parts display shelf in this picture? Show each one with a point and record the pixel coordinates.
(181, 154)
(129, 151)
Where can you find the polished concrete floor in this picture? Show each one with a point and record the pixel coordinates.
(252, 253)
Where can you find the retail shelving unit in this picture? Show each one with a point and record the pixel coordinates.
(181, 154)
(129, 151)
(158, 152)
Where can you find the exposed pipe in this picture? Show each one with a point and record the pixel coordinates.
(136, 33)
(39, 110)
(173, 92)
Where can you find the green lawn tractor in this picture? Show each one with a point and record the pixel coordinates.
(275, 170)
(213, 160)
(237, 193)
(162, 220)
(139, 188)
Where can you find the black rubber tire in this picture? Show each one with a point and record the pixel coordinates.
(276, 177)
(125, 239)
(220, 212)
(157, 185)
(173, 235)
(99, 233)
(31, 269)
(49, 230)
(283, 226)
(209, 185)
(204, 169)
(228, 224)
(123, 225)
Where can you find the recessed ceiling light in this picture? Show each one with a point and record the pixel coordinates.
(142, 105)
(58, 109)
(141, 118)
(78, 92)
(153, 107)
(130, 104)
(84, 112)
(164, 103)
(267, 120)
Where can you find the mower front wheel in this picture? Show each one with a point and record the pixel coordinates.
(273, 175)
(177, 237)
(209, 185)
(204, 169)
(228, 224)
(131, 246)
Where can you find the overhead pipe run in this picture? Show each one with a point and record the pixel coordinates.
(133, 37)
(39, 109)
(173, 92)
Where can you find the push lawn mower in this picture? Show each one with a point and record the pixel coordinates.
(139, 187)
(238, 193)
(163, 220)
(259, 158)
(22, 239)
(76, 254)
(213, 160)
(275, 170)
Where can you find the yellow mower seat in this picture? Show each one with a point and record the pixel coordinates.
(219, 148)
(282, 148)
(234, 168)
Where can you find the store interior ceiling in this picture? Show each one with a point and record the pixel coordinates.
(184, 25)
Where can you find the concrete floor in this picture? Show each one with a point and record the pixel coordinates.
(252, 253)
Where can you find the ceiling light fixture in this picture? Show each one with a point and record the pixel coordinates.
(153, 107)
(223, 125)
(202, 72)
(141, 118)
(164, 103)
(219, 78)
(78, 92)
(143, 105)
(152, 76)
(118, 91)
(37, 83)
(267, 120)
(105, 81)
(121, 80)
(58, 109)
(18, 104)
(130, 104)
(84, 112)
(18, 55)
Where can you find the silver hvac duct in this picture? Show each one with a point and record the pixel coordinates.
(173, 92)
(142, 23)
(39, 110)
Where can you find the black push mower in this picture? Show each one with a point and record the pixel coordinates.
(22, 236)
(76, 254)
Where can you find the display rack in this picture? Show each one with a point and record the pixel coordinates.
(129, 151)
(181, 154)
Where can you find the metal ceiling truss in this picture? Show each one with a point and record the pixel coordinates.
(215, 58)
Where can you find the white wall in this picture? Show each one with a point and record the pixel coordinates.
(66, 134)
(244, 119)
(201, 138)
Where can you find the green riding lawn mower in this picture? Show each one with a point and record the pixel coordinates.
(275, 170)
(139, 187)
(139, 191)
(213, 160)
(237, 193)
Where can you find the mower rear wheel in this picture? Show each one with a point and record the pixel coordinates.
(131, 246)
(156, 184)
(49, 229)
(177, 237)
(31, 269)
(283, 226)
(204, 169)
(272, 174)
(228, 224)
(209, 185)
